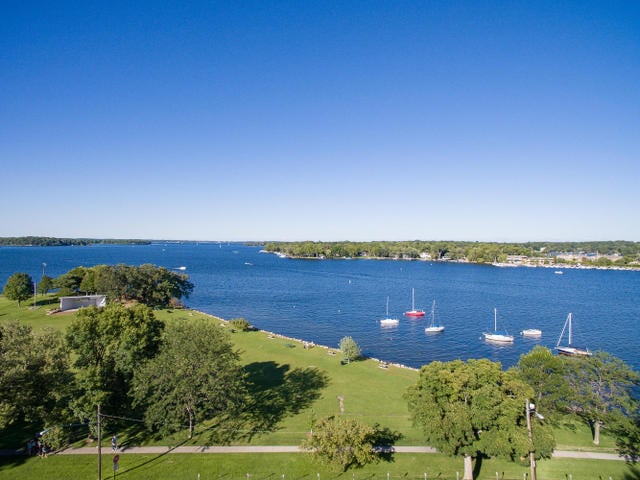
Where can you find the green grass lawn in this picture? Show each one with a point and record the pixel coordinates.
(35, 316)
(273, 466)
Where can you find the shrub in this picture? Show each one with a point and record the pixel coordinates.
(240, 324)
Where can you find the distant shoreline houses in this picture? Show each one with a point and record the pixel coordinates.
(578, 260)
(568, 260)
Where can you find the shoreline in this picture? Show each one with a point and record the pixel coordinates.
(305, 343)
(557, 266)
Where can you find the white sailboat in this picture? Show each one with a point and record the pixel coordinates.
(433, 326)
(496, 336)
(387, 321)
(570, 349)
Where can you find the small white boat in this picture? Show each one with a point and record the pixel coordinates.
(387, 321)
(559, 272)
(496, 336)
(433, 326)
(570, 349)
(531, 332)
(181, 268)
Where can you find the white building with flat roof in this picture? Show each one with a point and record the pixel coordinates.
(74, 303)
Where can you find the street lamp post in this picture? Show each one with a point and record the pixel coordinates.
(529, 408)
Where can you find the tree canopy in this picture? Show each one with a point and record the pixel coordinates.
(350, 349)
(194, 377)
(341, 442)
(154, 286)
(34, 377)
(108, 345)
(474, 408)
(544, 372)
(602, 388)
(19, 287)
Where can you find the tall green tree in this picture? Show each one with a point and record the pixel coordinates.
(350, 349)
(19, 287)
(157, 286)
(544, 372)
(603, 390)
(195, 376)
(108, 345)
(34, 375)
(473, 408)
(46, 284)
(341, 442)
(109, 281)
(69, 283)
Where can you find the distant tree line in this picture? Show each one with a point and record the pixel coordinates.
(476, 252)
(32, 241)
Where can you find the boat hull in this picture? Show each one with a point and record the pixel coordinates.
(573, 351)
(414, 313)
(498, 338)
(389, 322)
(531, 332)
(434, 330)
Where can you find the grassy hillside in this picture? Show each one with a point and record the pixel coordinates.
(368, 392)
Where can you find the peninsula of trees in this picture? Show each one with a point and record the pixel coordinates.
(64, 242)
(606, 253)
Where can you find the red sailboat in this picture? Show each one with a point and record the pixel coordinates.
(413, 312)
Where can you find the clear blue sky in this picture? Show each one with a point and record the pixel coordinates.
(346, 120)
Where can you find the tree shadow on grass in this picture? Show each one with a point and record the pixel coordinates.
(275, 391)
(151, 460)
(384, 439)
(477, 467)
(633, 473)
(8, 462)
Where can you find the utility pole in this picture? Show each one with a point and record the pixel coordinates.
(528, 407)
(100, 445)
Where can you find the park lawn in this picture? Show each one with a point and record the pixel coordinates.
(369, 393)
(36, 317)
(575, 435)
(289, 466)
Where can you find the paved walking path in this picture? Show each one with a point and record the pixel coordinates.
(281, 449)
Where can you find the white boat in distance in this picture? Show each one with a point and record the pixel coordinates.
(433, 326)
(531, 332)
(496, 336)
(387, 321)
(570, 349)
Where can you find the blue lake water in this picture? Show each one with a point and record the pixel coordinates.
(325, 300)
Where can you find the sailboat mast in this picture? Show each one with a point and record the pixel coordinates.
(433, 314)
(570, 320)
